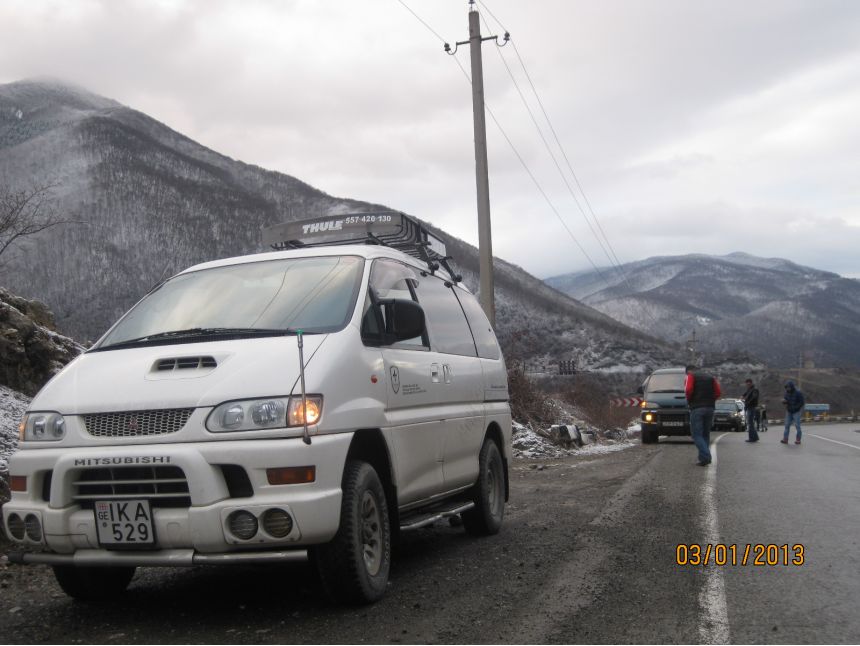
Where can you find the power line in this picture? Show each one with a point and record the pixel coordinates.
(560, 147)
(614, 260)
(513, 148)
(533, 178)
(419, 19)
(552, 154)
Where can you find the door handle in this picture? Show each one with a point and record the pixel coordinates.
(434, 373)
(446, 370)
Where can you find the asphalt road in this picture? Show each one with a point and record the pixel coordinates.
(587, 554)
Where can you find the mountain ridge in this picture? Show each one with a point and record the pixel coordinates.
(771, 307)
(155, 201)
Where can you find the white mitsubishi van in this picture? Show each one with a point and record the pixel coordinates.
(309, 402)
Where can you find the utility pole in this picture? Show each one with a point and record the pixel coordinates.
(485, 239)
(800, 372)
(691, 346)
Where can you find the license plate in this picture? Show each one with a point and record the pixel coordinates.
(673, 423)
(124, 523)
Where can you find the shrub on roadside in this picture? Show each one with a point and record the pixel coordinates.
(529, 404)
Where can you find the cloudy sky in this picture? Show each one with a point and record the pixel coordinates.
(710, 126)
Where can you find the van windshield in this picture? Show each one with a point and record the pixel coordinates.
(262, 298)
(672, 382)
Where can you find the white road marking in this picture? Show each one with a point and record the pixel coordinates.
(714, 628)
(827, 439)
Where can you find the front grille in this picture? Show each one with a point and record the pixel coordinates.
(137, 423)
(163, 486)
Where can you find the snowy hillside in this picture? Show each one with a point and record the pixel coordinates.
(154, 202)
(768, 307)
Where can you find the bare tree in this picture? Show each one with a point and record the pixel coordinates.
(26, 212)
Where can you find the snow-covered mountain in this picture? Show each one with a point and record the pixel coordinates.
(153, 202)
(769, 307)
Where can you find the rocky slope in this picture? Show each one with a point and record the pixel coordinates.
(30, 346)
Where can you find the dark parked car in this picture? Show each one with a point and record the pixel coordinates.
(729, 413)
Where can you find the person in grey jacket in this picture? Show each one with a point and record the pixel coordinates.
(794, 403)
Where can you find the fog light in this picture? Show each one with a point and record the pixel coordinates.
(649, 417)
(33, 528)
(277, 522)
(16, 527)
(242, 524)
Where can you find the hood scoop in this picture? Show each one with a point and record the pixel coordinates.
(184, 363)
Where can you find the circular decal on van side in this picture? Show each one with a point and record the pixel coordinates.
(395, 379)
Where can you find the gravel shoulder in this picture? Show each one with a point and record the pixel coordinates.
(445, 585)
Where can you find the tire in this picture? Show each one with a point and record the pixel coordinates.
(93, 583)
(355, 564)
(649, 437)
(488, 494)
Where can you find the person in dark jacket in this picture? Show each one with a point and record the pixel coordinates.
(794, 403)
(702, 392)
(750, 398)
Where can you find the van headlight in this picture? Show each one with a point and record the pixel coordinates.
(262, 414)
(42, 427)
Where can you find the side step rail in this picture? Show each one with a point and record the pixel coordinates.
(429, 520)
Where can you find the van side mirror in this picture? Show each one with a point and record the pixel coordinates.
(407, 319)
(640, 390)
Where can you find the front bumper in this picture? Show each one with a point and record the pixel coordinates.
(190, 534)
(161, 558)
(666, 422)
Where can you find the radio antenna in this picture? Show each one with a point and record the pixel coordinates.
(306, 437)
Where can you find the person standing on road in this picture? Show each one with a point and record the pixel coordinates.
(762, 427)
(702, 392)
(794, 403)
(750, 398)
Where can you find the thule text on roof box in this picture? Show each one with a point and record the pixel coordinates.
(389, 228)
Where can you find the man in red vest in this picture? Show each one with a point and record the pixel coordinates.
(702, 392)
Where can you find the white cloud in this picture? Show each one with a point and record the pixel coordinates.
(689, 124)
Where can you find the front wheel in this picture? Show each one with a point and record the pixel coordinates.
(354, 566)
(649, 437)
(93, 583)
(486, 516)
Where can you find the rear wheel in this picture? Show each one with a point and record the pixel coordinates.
(93, 583)
(486, 516)
(354, 566)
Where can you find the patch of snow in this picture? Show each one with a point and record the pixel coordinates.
(623, 369)
(528, 445)
(703, 320)
(13, 405)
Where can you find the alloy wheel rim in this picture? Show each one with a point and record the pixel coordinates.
(371, 533)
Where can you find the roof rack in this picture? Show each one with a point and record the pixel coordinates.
(387, 228)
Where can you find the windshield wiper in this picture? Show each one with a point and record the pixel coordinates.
(196, 332)
(667, 391)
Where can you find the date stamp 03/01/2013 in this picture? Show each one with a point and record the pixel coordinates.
(754, 554)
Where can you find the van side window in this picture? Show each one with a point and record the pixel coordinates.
(449, 331)
(388, 279)
(485, 340)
